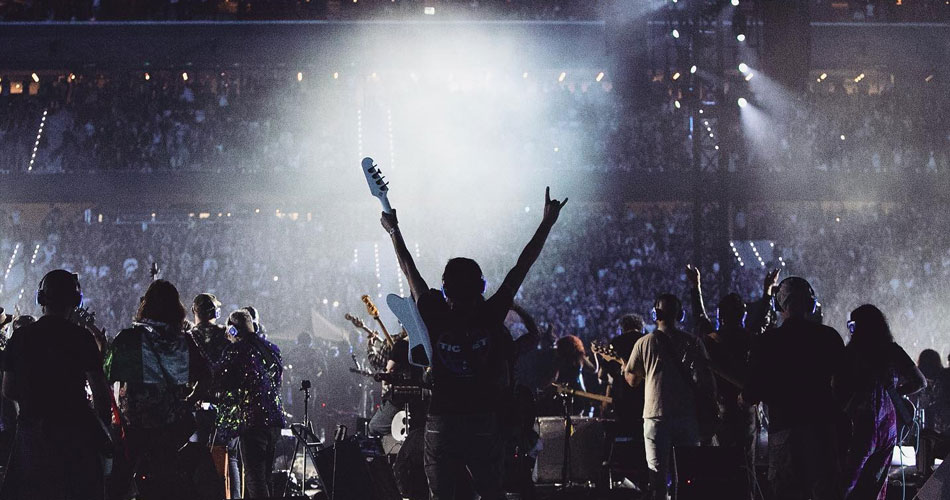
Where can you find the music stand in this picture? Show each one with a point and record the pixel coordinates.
(305, 438)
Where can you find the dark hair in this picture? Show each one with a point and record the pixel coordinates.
(930, 363)
(462, 279)
(59, 288)
(795, 295)
(242, 321)
(669, 308)
(162, 303)
(631, 323)
(871, 339)
(570, 349)
(731, 309)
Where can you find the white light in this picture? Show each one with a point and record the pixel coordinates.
(692, 69)
(676, 34)
(823, 76)
(842, 137)
(325, 301)
(742, 102)
(562, 76)
(600, 76)
(676, 76)
(677, 104)
(36, 78)
(749, 76)
(299, 76)
(527, 209)
(735, 3)
(276, 278)
(336, 303)
(524, 75)
(429, 11)
(743, 67)
(740, 37)
(556, 149)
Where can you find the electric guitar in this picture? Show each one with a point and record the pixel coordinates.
(420, 347)
(606, 351)
(563, 389)
(373, 311)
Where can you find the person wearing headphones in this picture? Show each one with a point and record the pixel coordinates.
(471, 354)
(209, 336)
(250, 378)
(56, 451)
(791, 369)
(670, 404)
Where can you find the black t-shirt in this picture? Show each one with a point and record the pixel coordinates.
(790, 369)
(49, 360)
(470, 354)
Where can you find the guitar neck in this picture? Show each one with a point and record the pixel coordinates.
(386, 206)
(583, 394)
(389, 338)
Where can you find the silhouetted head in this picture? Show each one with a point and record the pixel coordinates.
(667, 310)
(570, 350)
(206, 307)
(868, 326)
(731, 310)
(631, 323)
(462, 280)
(162, 303)
(59, 290)
(795, 298)
(930, 363)
(240, 324)
(304, 339)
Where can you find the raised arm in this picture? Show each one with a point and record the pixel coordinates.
(552, 208)
(702, 323)
(417, 285)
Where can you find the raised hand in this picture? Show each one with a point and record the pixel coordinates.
(389, 221)
(693, 275)
(552, 208)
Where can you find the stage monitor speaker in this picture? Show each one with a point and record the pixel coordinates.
(938, 486)
(359, 475)
(704, 472)
(587, 450)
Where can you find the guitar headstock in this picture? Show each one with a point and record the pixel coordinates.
(374, 178)
(370, 307)
(606, 351)
(353, 319)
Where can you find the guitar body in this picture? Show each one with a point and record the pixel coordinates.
(420, 348)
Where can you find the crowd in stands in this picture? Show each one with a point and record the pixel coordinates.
(273, 122)
(302, 275)
(187, 10)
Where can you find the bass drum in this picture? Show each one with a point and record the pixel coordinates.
(400, 426)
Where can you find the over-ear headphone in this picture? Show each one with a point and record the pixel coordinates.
(74, 296)
(232, 331)
(657, 314)
(484, 287)
(811, 294)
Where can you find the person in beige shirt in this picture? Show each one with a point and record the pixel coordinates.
(669, 409)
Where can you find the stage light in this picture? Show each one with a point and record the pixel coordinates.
(36, 78)
(859, 78)
(717, 148)
(692, 69)
(742, 102)
(600, 76)
(147, 77)
(749, 76)
(72, 76)
(524, 75)
(562, 77)
(299, 76)
(276, 278)
(676, 76)
(823, 76)
(184, 76)
(931, 77)
(743, 68)
(842, 137)
(740, 37)
(429, 11)
(336, 75)
(735, 3)
(676, 104)
(257, 210)
(556, 149)
(676, 34)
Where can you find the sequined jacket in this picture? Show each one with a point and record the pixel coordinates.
(248, 382)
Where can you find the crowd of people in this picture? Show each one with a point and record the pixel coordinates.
(188, 10)
(170, 121)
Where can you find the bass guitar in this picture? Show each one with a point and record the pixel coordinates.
(420, 348)
(563, 389)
